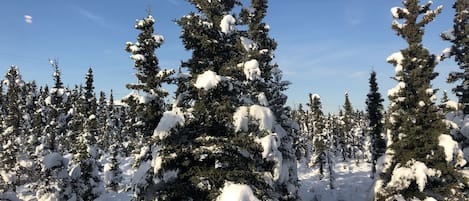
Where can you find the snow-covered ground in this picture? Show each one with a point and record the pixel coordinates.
(352, 182)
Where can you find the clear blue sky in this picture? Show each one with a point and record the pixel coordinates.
(325, 47)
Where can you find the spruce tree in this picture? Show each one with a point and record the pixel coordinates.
(417, 169)
(319, 136)
(54, 182)
(374, 104)
(207, 151)
(265, 86)
(12, 133)
(113, 174)
(149, 107)
(460, 46)
(149, 75)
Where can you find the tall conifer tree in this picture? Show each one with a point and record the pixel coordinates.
(149, 75)
(374, 104)
(417, 168)
(460, 48)
(208, 151)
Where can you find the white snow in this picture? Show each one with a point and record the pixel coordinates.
(207, 80)
(138, 57)
(248, 44)
(396, 89)
(236, 192)
(262, 99)
(397, 59)
(8, 177)
(315, 96)
(421, 103)
(134, 48)
(53, 160)
(241, 118)
(449, 35)
(9, 196)
(402, 176)
(446, 52)
(352, 182)
(270, 144)
(227, 24)
(139, 176)
(395, 11)
(264, 115)
(252, 70)
(452, 150)
(169, 120)
(158, 38)
(26, 163)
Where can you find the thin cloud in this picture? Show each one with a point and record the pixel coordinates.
(175, 2)
(28, 19)
(360, 75)
(93, 17)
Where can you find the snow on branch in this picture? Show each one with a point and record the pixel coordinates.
(452, 151)
(227, 24)
(402, 176)
(207, 80)
(238, 192)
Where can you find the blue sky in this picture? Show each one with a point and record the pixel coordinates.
(325, 47)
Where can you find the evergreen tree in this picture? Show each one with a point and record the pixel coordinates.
(266, 87)
(458, 37)
(102, 113)
(149, 108)
(56, 128)
(89, 102)
(113, 174)
(417, 168)
(319, 135)
(303, 148)
(374, 104)
(207, 151)
(54, 182)
(12, 133)
(149, 75)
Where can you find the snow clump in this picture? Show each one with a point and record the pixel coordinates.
(452, 151)
(236, 192)
(252, 70)
(207, 80)
(402, 176)
(169, 120)
(227, 24)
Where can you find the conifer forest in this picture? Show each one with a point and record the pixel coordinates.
(226, 132)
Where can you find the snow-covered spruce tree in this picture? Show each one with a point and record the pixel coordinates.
(77, 119)
(89, 102)
(302, 145)
(56, 129)
(149, 75)
(374, 104)
(54, 182)
(320, 138)
(267, 89)
(208, 154)
(344, 135)
(84, 128)
(416, 167)
(102, 115)
(112, 172)
(12, 133)
(148, 108)
(88, 167)
(460, 46)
